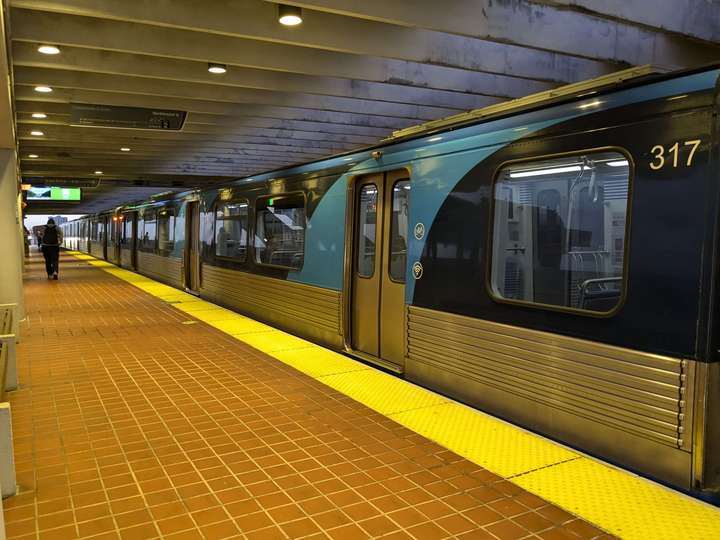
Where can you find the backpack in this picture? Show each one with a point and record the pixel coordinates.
(50, 236)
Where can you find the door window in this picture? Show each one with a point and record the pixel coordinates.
(399, 230)
(367, 230)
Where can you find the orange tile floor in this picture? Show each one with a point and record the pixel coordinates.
(135, 421)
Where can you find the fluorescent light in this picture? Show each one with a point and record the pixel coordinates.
(619, 163)
(48, 49)
(435, 139)
(43, 89)
(590, 104)
(39, 115)
(33, 156)
(36, 133)
(289, 15)
(124, 149)
(98, 172)
(544, 172)
(217, 68)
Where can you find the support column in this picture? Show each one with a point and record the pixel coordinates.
(11, 259)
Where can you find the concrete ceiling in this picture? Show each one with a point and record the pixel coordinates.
(348, 76)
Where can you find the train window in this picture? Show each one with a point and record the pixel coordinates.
(280, 231)
(366, 231)
(399, 229)
(149, 234)
(166, 230)
(231, 230)
(559, 231)
(127, 224)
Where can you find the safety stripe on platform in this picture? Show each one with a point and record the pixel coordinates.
(613, 499)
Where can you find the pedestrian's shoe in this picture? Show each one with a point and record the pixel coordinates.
(50, 276)
(55, 275)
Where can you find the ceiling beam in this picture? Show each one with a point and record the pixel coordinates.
(62, 95)
(698, 19)
(60, 113)
(247, 34)
(97, 61)
(149, 86)
(542, 27)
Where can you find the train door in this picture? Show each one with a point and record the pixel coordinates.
(377, 311)
(192, 246)
(104, 227)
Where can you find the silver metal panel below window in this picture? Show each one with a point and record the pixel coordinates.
(621, 404)
(311, 312)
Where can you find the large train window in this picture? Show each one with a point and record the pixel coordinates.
(231, 230)
(559, 231)
(280, 231)
(166, 230)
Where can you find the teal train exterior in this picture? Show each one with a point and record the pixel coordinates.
(552, 261)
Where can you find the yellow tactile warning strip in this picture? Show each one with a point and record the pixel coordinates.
(617, 501)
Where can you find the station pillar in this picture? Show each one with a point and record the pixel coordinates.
(11, 248)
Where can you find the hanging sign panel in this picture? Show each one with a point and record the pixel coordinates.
(112, 116)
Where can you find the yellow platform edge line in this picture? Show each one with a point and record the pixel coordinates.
(615, 500)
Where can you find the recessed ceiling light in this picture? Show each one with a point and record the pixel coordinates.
(40, 115)
(33, 156)
(43, 89)
(217, 68)
(289, 15)
(37, 133)
(48, 49)
(124, 149)
(98, 172)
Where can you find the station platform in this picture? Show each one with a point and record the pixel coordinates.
(144, 412)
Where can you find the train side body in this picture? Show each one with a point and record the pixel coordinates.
(486, 316)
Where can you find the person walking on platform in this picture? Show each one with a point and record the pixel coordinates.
(52, 237)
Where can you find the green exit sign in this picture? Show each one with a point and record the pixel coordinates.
(64, 194)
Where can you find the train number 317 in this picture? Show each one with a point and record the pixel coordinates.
(663, 158)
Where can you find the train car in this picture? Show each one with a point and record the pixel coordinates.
(552, 260)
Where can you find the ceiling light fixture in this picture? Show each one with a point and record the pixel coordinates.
(619, 163)
(36, 133)
(43, 89)
(218, 69)
(39, 115)
(33, 156)
(48, 49)
(124, 149)
(98, 172)
(289, 15)
(544, 172)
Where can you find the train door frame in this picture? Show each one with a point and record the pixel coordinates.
(374, 303)
(191, 257)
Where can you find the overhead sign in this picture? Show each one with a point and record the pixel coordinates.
(112, 116)
(52, 193)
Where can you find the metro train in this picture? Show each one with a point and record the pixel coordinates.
(552, 260)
